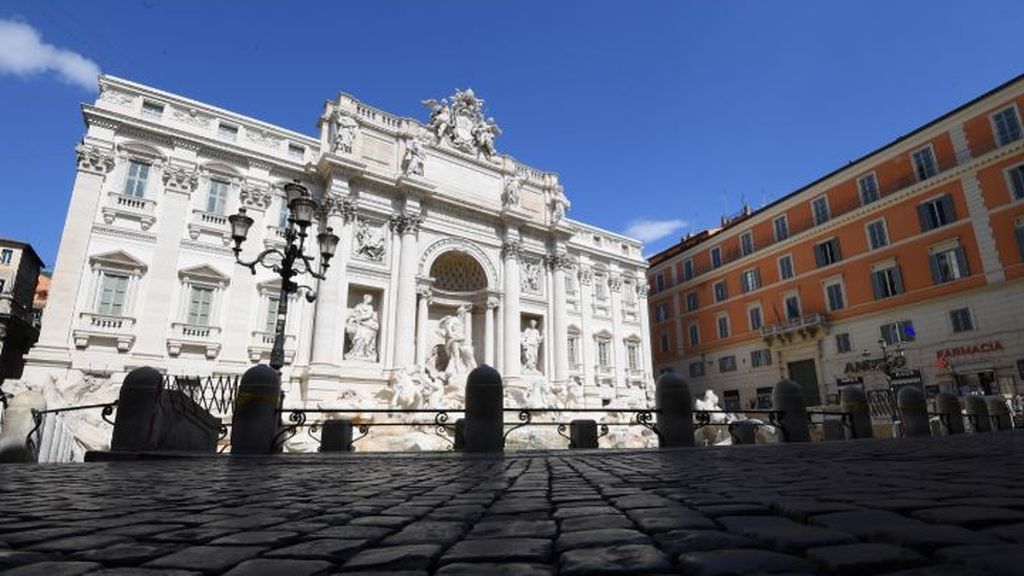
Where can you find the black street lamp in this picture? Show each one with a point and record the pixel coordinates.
(290, 261)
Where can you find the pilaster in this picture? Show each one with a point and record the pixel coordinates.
(511, 253)
(982, 226)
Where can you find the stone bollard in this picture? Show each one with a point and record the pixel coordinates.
(854, 401)
(788, 397)
(583, 434)
(460, 435)
(140, 413)
(977, 412)
(948, 407)
(674, 407)
(256, 421)
(483, 429)
(17, 423)
(913, 412)
(743, 432)
(998, 413)
(336, 436)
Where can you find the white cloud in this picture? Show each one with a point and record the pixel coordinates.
(23, 53)
(647, 231)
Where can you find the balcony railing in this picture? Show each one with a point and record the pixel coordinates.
(185, 335)
(141, 209)
(807, 327)
(93, 326)
(209, 223)
(274, 236)
(263, 342)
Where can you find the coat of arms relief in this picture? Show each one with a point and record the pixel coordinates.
(460, 121)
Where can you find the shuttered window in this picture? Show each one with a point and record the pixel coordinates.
(113, 289)
(827, 252)
(948, 265)
(924, 164)
(887, 282)
(936, 212)
(878, 236)
(200, 303)
(1017, 182)
(1007, 126)
(868, 186)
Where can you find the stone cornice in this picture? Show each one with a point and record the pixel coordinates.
(123, 233)
(92, 158)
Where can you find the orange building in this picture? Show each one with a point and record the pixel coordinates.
(919, 244)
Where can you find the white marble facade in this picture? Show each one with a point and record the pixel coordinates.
(452, 255)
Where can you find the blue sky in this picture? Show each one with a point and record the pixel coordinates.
(658, 116)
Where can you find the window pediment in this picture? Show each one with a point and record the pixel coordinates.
(204, 273)
(118, 260)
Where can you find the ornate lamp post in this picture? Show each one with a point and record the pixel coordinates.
(892, 360)
(290, 261)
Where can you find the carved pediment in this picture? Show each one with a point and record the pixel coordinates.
(204, 273)
(118, 259)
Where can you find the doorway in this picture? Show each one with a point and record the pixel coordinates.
(805, 373)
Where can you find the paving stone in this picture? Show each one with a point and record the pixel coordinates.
(499, 550)
(594, 523)
(969, 515)
(865, 523)
(385, 521)
(193, 535)
(125, 554)
(927, 538)
(939, 570)
(136, 571)
(353, 532)
(53, 569)
(801, 509)
(596, 538)
(715, 510)
(279, 567)
(514, 529)
(618, 559)
(78, 543)
(426, 532)
(206, 558)
(491, 569)
(322, 549)
(998, 560)
(414, 556)
(857, 559)
(1010, 532)
(732, 562)
(513, 506)
(682, 541)
(257, 537)
(19, 539)
(142, 530)
(12, 558)
(584, 511)
(672, 519)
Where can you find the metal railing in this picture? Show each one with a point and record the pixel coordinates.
(215, 394)
(35, 438)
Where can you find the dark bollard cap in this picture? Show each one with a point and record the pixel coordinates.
(142, 376)
(261, 375)
(788, 387)
(908, 395)
(483, 374)
(672, 379)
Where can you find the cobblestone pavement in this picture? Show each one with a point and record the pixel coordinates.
(912, 507)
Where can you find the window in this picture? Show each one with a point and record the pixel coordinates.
(792, 305)
(664, 343)
(723, 326)
(1019, 231)
(781, 226)
(878, 235)
(827, 253)
(691, 301)
(135, 182)
(5, 255)
(1016, 176)
(924, 163)
(633, 355)
(694, 335)
(601, 286)
(660, 313)
(152, 109)
(282, 219)
(819, 207)
(868, 187)
(764, 398)
(834, 295)
(696, 369)
(843, 343)
(227, 132)
(887, 282)
(574, 350)
(604, 357)
(296, 152)
(200, 302)
(747, 243)
(759, 358)
(936, 212)
(727, 364)
(217, 197)
(628, 294)
(272, 304)
(659, 281)
(755, 317)
(961, 319)
(721, 291)
(750, 279)
(948, 264)
(897, 332)
(731, 400)
(1007, 125)
(113, 289)
(716, 257)
(786, 267)
(687, 269)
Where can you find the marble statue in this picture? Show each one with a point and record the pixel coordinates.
(369, 242)
(440, 118)
(530, 281)
(559, 204)
(362, 327)
(484, 133)
(530, 340)
(345, 135)
(510, 195)
(718, 432)
(460, 353)
(412, 163)
(460, 121)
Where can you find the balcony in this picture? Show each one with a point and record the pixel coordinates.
(263, 342)
(274, 237)
(206, 223)
(604, 374)
(184, 336)
(630, 312)
(130, 207)
(95, 327)
(802, 328)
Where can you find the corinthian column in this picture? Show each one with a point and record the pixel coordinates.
(421, 325)
(492, 303)
(329, 315)
(510, 253)
(559, 263)
(407, 227)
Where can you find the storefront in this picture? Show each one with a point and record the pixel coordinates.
(978, 368)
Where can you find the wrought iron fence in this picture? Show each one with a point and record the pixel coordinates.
(35, 437)
(215, 394)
